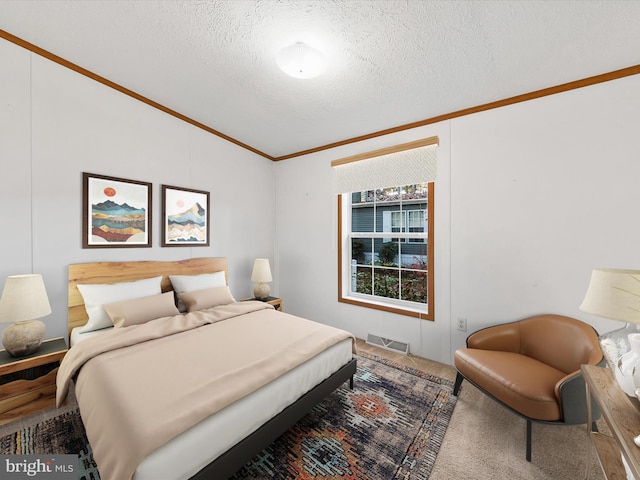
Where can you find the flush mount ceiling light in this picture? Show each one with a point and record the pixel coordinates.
(300, 61)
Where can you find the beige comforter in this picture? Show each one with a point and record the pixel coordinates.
(140, 386)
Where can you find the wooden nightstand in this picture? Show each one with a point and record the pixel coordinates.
(275, 301)
(28, 384)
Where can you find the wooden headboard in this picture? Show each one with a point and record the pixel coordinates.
(116, 272)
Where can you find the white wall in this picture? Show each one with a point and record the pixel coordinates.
(529, 198)
(56, 124)
(543, 192)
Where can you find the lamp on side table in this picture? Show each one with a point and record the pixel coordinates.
(615, 294)
(261, 274)
(24, 300)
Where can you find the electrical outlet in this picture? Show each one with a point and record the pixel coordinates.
(462, 324)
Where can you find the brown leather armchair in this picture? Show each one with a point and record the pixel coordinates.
(532, 367)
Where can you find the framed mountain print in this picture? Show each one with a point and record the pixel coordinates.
(185, 217)
(116, 212)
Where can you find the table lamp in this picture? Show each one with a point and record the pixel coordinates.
(24, 300)
(261, 274)
(615, 294)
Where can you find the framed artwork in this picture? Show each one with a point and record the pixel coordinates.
(185, 217)
(115, 212)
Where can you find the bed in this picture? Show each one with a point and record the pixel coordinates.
(223, 440)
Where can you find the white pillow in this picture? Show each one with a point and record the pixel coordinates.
(191, 283)
(97, 295)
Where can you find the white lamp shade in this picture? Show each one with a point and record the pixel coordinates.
(24, 298)
(300, 61)
(261, 271)
(614, 294)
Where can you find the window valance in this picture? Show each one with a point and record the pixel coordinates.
(406, 164)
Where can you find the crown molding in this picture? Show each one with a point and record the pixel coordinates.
(585, 82)
(93, 76)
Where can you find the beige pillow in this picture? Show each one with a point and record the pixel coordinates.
(141, 310)
(206, 298)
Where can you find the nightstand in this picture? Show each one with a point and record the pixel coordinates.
(28, 384)
(275, 301)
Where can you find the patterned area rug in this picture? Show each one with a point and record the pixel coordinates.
(390, 426)
(58, 435)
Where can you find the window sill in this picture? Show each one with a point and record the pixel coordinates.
(421, 314)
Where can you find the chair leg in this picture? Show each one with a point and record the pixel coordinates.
(528, 440)
(456, 386)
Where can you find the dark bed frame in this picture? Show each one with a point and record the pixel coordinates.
(237, 456)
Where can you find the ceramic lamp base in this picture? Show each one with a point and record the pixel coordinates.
(615, 343)
(23, 338)
(261, 290)
(627, 371)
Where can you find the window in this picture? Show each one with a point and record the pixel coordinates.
(385, 234)
(391, 273)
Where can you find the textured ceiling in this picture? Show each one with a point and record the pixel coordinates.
(390, 62)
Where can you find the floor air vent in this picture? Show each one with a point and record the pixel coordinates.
(388, 343)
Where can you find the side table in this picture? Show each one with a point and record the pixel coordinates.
(275, 301)
(28, 384)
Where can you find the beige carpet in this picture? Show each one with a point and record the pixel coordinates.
(486, 441)
(483, 441)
